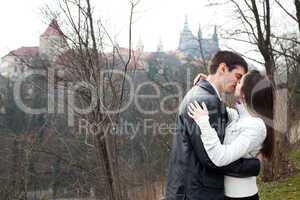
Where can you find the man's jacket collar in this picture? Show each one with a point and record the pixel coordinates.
(208, 87)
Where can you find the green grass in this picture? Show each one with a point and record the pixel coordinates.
(287, 189)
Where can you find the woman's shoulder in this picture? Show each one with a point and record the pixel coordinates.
(257, 120)
(255, 123)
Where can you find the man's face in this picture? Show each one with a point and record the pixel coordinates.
(238, 89)
(232, 78)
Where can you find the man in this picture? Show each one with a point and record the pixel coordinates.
(192, 175)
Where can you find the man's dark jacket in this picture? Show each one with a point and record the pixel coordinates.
(192, 175)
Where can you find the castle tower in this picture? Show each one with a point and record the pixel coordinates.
(189, 43)
(215, 37)
(52, 42)
(186, 36)
(186, 24)
(199, 33)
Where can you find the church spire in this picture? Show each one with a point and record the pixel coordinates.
(199, 32)
(186, 24)
(215, 35)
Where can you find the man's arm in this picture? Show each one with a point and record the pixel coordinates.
(250, 138)
(240, 168)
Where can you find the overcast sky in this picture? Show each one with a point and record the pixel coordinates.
(22, 22)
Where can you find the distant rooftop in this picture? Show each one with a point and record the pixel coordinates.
(25, 52)
(53, 29)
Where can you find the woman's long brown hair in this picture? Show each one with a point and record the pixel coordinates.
(259, 97)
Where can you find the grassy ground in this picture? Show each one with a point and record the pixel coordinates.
(287, 189)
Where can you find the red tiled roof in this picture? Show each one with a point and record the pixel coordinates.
(53, 29)
(25, 52)
(136, 61)
(68, 57)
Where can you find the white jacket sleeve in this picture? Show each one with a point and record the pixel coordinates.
(232, 114)
(252, 135)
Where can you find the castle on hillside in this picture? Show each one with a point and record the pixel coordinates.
(52, 44)
(197, 46)
(53, 48)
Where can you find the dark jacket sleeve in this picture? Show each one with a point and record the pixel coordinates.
(240, 168)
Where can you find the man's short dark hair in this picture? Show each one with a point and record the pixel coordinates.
(231, 59)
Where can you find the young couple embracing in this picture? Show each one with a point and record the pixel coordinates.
(217, 151)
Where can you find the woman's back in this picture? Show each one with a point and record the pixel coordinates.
(244, 187)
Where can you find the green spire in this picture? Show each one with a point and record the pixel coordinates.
(186, 25)
(215, 35)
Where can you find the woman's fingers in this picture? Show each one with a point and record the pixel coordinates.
(197, 79)
(204, 106)
(191, 115)
(191, 110)
(195, 111)
(192, 105)
(197, 105)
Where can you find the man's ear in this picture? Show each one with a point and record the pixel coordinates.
(222, 68)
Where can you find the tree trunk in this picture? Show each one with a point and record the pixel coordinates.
(112, 182)
(105, 167)
(274, 169)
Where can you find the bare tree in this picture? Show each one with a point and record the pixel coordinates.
(88, 64)
(83, 60)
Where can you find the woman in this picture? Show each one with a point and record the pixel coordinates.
(248, 132)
